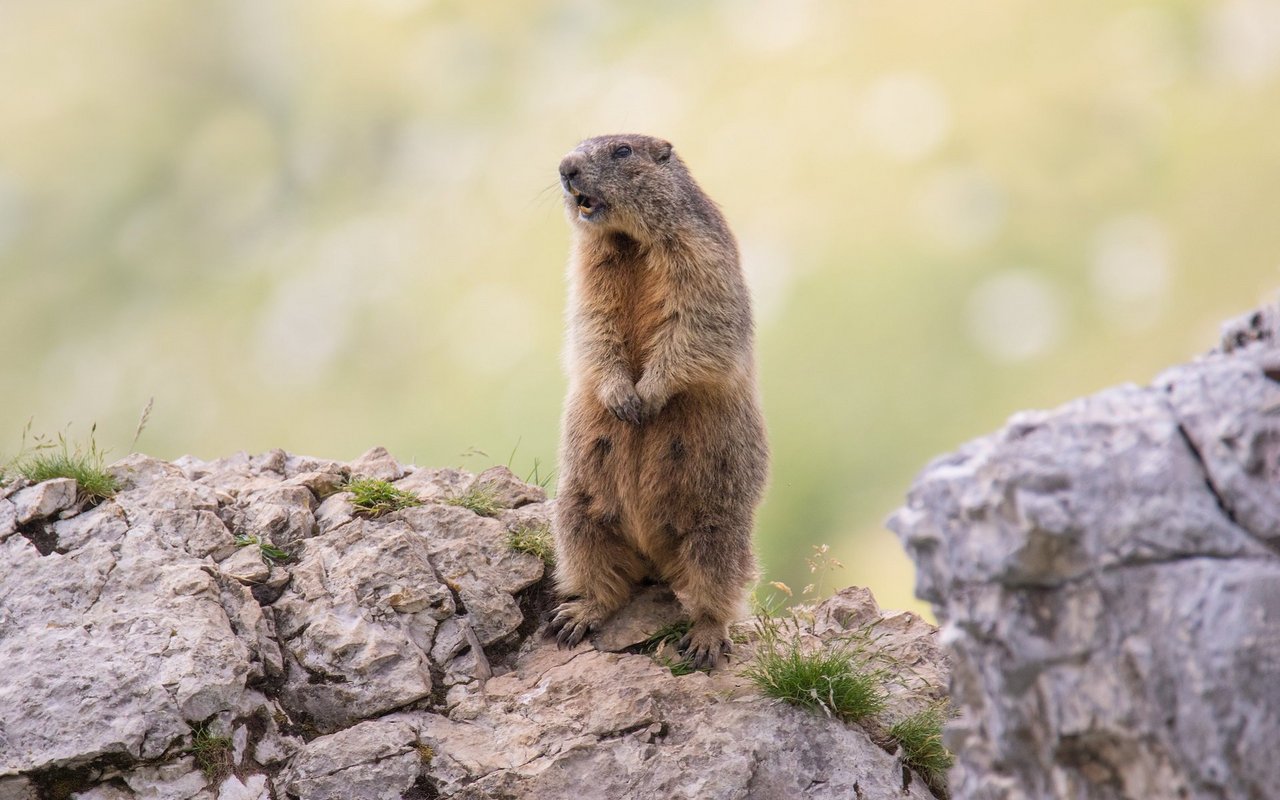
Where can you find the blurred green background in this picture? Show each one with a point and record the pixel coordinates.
(325, 225)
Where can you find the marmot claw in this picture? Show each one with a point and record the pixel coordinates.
(568, 626)
(703, 652)
(628, 409)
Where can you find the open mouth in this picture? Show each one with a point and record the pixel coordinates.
(588, 206)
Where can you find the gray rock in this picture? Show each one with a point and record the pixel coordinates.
(391, 658)
(253, 787)
(8, 518)
(472, 557)
(273, 511)
(377, 463)
(17, 789)
(12, 484)
(507, 490)
(178, 515)
(436, 484)
(106, 523)
(44, 499)
(104, 791)
(352, 654)
(111, 649)
(177, 780)
(589, 725)
(1108, 579)
(369, 761)
(137, 470)
(1240, 449)
(652, 608)
(246, 565)
(334, 512)
(321, 482)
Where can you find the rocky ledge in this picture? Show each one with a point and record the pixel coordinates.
(238, 630)
(1107, 575)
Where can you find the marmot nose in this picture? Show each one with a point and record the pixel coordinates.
(569, 167)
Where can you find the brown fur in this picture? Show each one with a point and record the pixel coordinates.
(663, 454)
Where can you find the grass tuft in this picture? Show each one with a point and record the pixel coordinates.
(661, 645)
(536, 477)
(375, 497)
(212, 754)
(47, 461)
(668, 634)
(534, 539)
(270, 553)
(840, 678)
(677, 664)
(482, 500)
(920, 736)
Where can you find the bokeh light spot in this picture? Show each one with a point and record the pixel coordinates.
(1015, 315)
(1244, 40)
(962, 208)
(1131, 270)
(905, 116)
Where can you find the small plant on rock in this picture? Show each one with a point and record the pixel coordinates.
(534, 539)
(668, 634)
(920, 736)
(661, 645)
(374, 497)
(843, 678)
(212, 753)
(270, 553)
(478, 499)
(44, 460)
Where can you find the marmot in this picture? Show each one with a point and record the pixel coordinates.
(663, 454)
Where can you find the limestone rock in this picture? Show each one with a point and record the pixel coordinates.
(1108, 579)
(507, 490)
(650, 610)
(436, 484)
(369, 761)
(8, 518)
(17, 789)
(396, 657)
(602, 725)
(377, 463)
(472, 557)
(44, 500)
(246, 565)
(178, 779)
(105, 523)
(255, 787)
(352, 654)
(111, 649)
(137, 470)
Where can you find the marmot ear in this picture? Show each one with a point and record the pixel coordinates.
(662, 152)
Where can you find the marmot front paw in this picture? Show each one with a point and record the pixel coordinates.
(624, 403)
(703, 645)
(653, 397)
(571, 621)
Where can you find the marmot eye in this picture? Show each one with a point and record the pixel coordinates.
(622, 151)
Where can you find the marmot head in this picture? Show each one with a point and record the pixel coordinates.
(627, 183)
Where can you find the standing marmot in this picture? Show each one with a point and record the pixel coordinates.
(663, 457)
